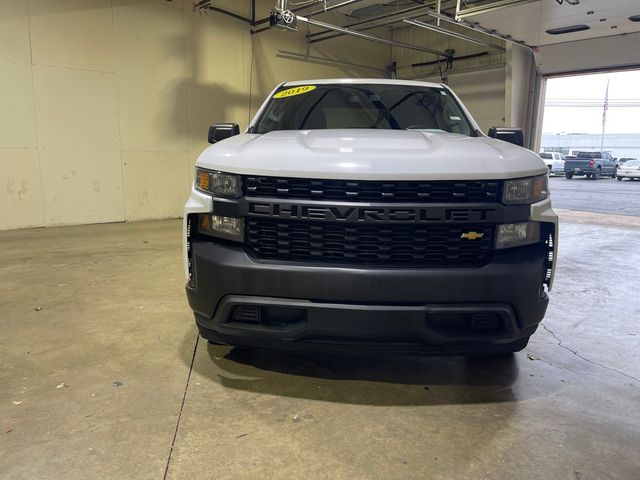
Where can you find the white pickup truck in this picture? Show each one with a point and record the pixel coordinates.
(554, 161)
(368, 215)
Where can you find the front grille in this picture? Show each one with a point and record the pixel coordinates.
(415, 245)
(374, 191)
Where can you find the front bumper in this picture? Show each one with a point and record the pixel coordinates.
(623, 174)
(581, 171)
(242, 301)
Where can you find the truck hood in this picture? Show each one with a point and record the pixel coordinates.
(371, 155)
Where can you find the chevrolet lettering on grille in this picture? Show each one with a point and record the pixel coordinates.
(371, 214)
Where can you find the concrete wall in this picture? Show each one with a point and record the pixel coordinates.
(104, 104)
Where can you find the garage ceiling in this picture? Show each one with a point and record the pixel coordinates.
(529, 22)
(524, 21)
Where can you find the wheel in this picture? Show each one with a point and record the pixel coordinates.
(568, 175)
(597, 174)
(619, 179)
(588, 175)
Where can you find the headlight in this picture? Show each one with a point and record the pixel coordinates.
(229, 228)
(517, 234)
(525, 190)
(219, 184)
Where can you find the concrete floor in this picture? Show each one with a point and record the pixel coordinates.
(604, 196)
(102, 310)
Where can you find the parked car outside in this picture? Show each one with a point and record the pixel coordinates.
(591, 164)
(620, 161)
(554, 161)
(629, 169)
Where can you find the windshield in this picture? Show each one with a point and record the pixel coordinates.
(588, 154)
(380, 106)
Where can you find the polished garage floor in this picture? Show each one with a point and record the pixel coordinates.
(102, 376)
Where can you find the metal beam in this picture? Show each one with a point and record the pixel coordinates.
(333, 7)
(316, 12)
(455, 59)
(325, 61)
(444, 31)
(475, 27)
(336, 35)
(355, 33)
(385, 16)
(230, 14)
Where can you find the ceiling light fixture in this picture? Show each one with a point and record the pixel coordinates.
(569, 29)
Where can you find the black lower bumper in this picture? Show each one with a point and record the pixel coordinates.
(241, 301)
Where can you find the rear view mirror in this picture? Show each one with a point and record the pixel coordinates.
(220, 131)
(511, 135)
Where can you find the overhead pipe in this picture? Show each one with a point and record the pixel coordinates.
(374, 19)
(461, 57)
(475, 27)
(418, 11)
(444, 31)
(230, 14)
(355, 33)
(325, 61)
(314, 13)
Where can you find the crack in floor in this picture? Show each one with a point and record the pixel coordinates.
(184, 398)
(560, 344)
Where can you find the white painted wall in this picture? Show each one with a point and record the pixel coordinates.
(105, 104)
(593, 54)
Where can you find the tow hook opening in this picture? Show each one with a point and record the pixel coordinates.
(267, 316)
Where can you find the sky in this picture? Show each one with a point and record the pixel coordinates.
(623, 86)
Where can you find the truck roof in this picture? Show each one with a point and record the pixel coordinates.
(381, 81)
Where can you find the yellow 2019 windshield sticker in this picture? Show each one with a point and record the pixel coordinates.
(292, 92)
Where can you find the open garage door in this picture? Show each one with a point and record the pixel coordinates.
(592, 112)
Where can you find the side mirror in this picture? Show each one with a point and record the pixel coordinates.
(220, 131)
(511, 135)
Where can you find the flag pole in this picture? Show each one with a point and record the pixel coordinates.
(605, 107)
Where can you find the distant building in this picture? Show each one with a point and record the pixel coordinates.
(620, 145)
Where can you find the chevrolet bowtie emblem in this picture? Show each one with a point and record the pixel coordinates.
(472, 235)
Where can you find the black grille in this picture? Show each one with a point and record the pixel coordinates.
(415, 245)
(373, 191)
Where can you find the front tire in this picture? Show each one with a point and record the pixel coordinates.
(568, 175)
(619, 179)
